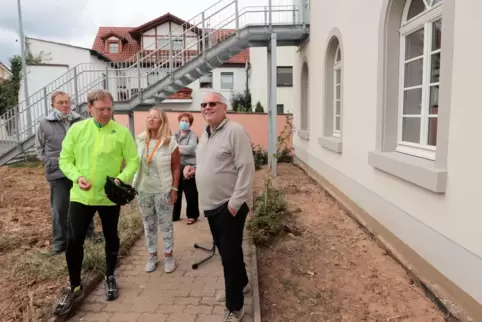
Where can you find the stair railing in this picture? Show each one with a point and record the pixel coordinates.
(156, 61)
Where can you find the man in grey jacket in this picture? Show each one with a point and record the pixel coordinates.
(48, 144)
(224, 175)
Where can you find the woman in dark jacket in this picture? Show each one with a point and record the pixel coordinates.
(187, 140)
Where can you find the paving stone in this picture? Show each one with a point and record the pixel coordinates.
(197, 309)
(185, 295)
(181, 318)
(124, 317)
(96, 317)
(155, 317)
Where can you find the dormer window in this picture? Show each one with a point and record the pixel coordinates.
(114, 47)
(113, 42)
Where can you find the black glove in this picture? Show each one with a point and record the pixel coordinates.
(120, 194)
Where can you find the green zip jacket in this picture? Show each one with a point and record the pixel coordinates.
(94, 152)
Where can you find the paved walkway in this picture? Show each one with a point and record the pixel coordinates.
(186, 295)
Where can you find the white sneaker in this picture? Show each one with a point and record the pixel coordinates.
(221, 297)
(151, 264)
(233, 316)
(169, 264)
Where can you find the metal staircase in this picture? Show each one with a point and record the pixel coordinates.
(153, 74)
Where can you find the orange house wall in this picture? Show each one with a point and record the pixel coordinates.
(255, 124)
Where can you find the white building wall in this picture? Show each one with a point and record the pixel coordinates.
(442, 228)
(239, 84)
(149, 40)
(89, 69)
(190, 38)
(39, 102)
(286, 56)
(57, 73)
(55, 53)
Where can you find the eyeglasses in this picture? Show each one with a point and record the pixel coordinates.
(210, 104)
(62, 102)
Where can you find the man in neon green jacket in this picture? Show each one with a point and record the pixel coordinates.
(92, 150)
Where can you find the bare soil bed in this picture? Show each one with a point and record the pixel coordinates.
(330, 270)
(31, 278)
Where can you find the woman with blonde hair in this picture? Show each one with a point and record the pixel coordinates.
(157, 181)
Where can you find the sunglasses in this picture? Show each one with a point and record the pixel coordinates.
(210, 104)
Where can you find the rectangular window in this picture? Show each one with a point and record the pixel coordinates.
(113, 47)
(206, 81)
(227, 81)
(163, 43)
(280, 109)
(284, 76)
(177, 44)
(420, 67)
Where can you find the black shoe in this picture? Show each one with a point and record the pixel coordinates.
(111, 289)
(67, 299)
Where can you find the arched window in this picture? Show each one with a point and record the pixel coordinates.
(333, 100)
(304, 108)
(420, 50)
(337, 65)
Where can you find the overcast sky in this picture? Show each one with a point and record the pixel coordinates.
(76, 22)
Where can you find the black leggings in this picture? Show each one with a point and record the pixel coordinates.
(79, 219)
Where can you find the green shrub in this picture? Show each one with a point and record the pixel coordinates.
(241, 102)
(259, 108)
(260, 156)
(269, 215)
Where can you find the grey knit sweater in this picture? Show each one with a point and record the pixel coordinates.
(187, 144)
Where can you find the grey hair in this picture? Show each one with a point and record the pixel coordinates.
(222, 99)
(58, 93)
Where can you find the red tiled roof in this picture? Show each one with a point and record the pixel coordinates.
(115, 34)
(136, 32)
(131, 46)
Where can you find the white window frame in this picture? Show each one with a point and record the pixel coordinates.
(207, 80)
(224, 74)
(117, 44)
(163, 43)
(337, 66)
(422, 21)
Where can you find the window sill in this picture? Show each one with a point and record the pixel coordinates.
(331, 143)
(304, 134)
(415, 170)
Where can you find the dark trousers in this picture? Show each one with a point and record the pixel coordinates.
(59, 205)
(188, 186)
(79, 218)
(227, 231)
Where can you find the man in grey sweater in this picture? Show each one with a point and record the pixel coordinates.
(224, 176)
(48, 144)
